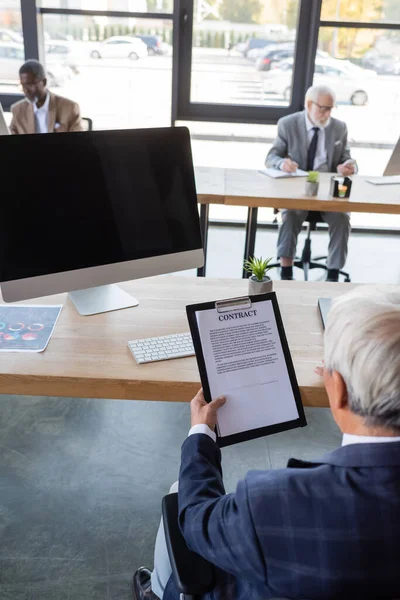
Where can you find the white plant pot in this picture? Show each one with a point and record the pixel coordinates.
(259, 287)
(312, 188)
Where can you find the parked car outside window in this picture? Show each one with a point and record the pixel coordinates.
(124, 46)
(154, 44)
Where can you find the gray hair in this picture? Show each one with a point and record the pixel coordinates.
(362, 343)
(315, 91)
(33, 67)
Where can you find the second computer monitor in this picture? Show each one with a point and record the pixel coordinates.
(393, 166)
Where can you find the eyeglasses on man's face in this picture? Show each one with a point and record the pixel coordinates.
(323, 109)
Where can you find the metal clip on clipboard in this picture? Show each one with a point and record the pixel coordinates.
(233, 304)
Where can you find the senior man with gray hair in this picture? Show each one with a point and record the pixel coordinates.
(313, 141)
(322, 529)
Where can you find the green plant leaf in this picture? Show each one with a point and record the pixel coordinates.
(257, 266)
(313, 177)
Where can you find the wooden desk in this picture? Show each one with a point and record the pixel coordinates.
(246, 187)
(88, 356)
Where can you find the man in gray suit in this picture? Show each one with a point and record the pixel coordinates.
(313, 141)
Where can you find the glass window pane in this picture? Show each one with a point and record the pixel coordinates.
(368, 11)
(243, 52)
(367, 90)
(11, 44)
(120, 85)
(165, 6)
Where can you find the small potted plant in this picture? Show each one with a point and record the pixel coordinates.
(259, 282)
(312, 183)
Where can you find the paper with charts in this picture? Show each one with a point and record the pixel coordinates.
(245, 362)
(26, 327)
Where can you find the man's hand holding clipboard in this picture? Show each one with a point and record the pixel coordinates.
(243, 355)
(203, 412)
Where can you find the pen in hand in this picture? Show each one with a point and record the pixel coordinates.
(289, 165)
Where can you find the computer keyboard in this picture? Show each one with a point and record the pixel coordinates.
(164, 347)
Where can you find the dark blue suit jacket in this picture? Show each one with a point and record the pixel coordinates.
(321, 530)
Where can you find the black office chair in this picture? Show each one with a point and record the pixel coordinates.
(307, 262)
(87, 123)
(193, 575)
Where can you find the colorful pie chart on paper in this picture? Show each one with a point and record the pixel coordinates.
(36, 327)
(16, 327)
(29, 336)
(9, 337)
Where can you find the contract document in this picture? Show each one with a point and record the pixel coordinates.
(242, 353)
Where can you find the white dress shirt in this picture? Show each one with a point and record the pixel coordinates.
(203, 429)
(349, 438)
(320, 155)
(346, 440)
(42, 116)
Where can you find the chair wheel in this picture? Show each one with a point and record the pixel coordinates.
(347, 280)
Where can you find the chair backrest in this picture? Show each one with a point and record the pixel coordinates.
(7, 100)
(193, 575)
(314, 216)
(87, 123)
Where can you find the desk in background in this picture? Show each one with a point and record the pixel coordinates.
(88, 357)
(245, 187)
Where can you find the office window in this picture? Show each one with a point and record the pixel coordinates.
(118, 70)
(237, 49)
(365, 11)
(11, 44)
(361, 66)
(243, 61)
(153, 6)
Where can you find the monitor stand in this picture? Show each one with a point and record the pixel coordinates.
(103, 298)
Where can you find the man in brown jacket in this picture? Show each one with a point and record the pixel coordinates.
(42, 111)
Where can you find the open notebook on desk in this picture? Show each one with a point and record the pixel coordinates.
(277, 174)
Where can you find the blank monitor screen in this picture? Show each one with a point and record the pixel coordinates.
(88, 199)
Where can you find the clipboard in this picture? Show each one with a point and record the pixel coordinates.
(230, 307)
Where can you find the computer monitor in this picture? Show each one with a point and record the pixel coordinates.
(393, 166)
(94, 208)
(3, 125)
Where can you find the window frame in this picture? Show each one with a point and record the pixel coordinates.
(32, 30)
(183, 109)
